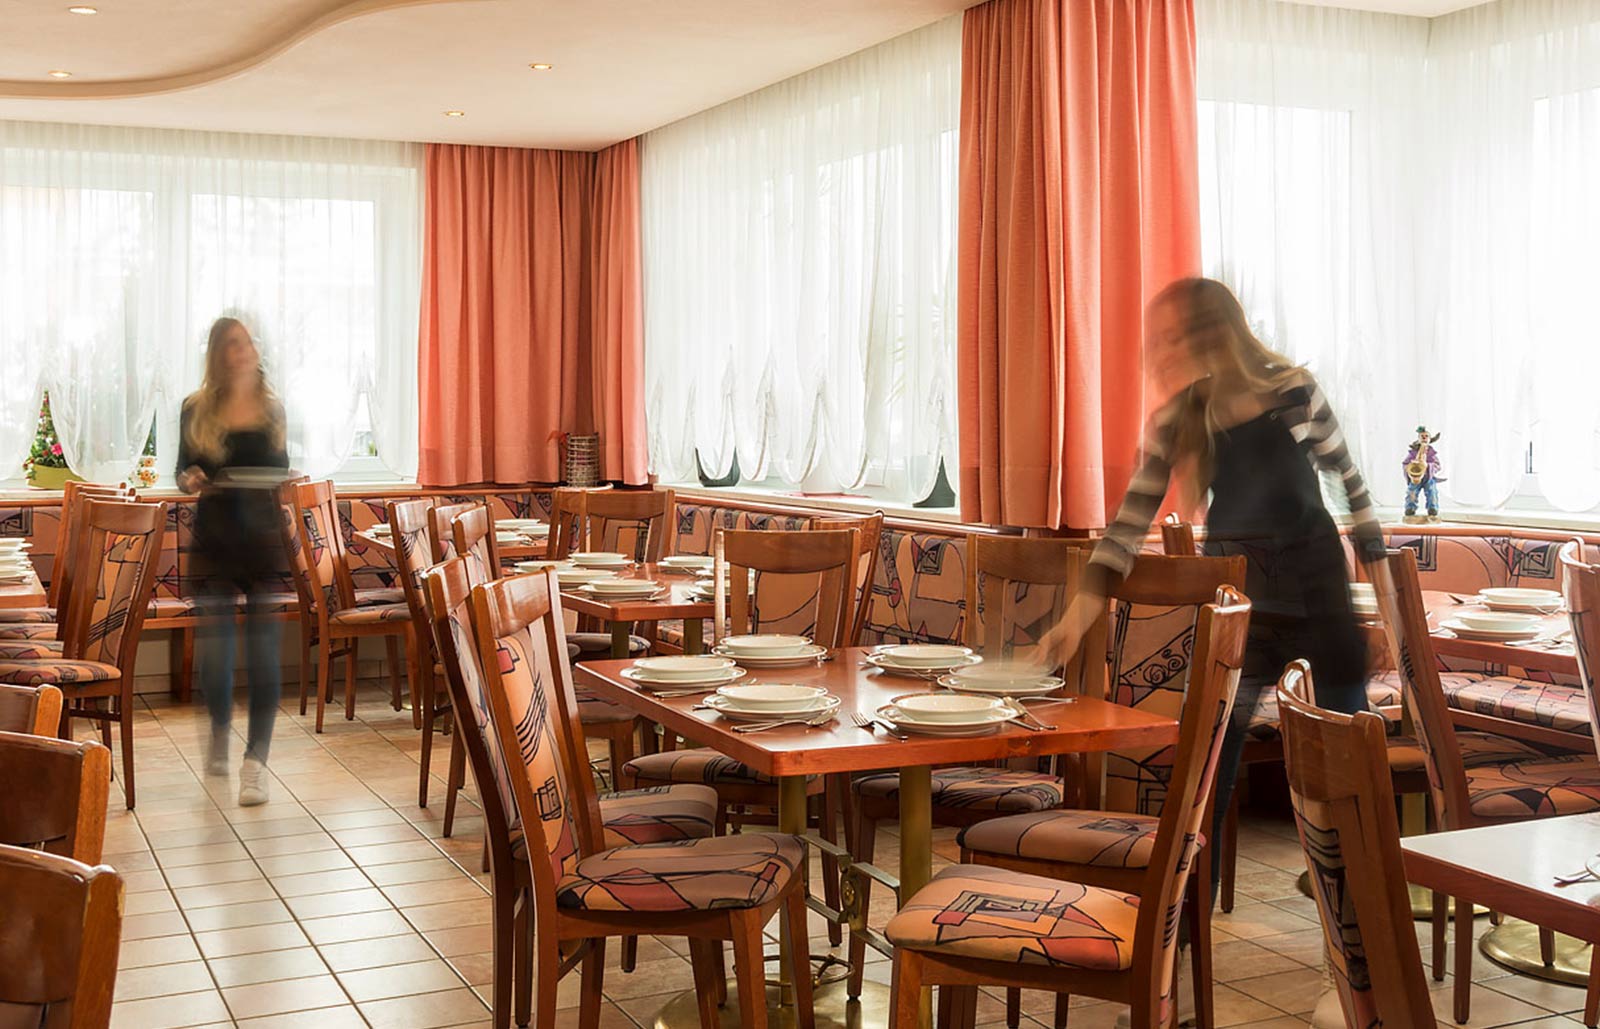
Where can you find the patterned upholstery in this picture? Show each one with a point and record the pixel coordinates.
(1477, 748)
(671, 631)
(980, 789)
(56, 672)
(172, 607)
(919, 592)
(1383, 689)
(15, 615)
(30, 650)
(1535, 788)
(598, 644)
(998, 915)
(1550, 705)
(741, 871)
(371, 615)
(120, 567)
(30, 631)
(1345, 952)
(1106, 839)
(1150, 649)
(380, 595)
(698, 765)
(592, 710)
(657, 814)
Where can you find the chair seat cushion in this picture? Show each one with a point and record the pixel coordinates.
(742, 871)
(377, 595)
(1108, 839)
(1548, 704)
(30, 650)
(698, 765)
(171, 607)
(11, 615)
(56, 672)
(976, 789)
(1535, 788)
(593, 645)
(657, 814)
(1477, 748)
(30, 631)
(594, 711)
(371, 615)
(1383, 689)
(997, 915)
(670, 631)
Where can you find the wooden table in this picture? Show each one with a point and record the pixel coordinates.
(1511, 869)
(1083, 725)
(533, 550)
(620, 615)
(29, 593)
(1443, 606)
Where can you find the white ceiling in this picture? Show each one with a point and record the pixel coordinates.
(388, 69)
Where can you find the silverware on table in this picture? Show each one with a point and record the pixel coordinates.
(811, 721)
(686, 692)
(1024, 719)
(873, 724)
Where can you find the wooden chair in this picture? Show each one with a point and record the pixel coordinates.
(1580, 588)
(329, 591)
(30, 709)
(55, 795)
(568, 523)
(59, 940)
(709, 890)
(1079, 938)
(1343, 801)
(638, 523)
(1466, 790)
(678, 813)
(472, 537)
(871, 541)
(43, 623)
(1177, 537)
(408, 529)
(441, 538)
(100, 635)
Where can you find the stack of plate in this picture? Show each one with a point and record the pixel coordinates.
(1363, 600)
(705, 584)
(687, 562)
(571, 578)
(538, 566)
(682, 670)
(611, 588)
(14, 564)
(1521, 600)
(1002, 679)
(1494, 626)
(765, 702)
(922, 659)
(381, 529)
(948, 714)
(770, 650)
(600, 559)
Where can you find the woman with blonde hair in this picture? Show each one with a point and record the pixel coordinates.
(232, 452)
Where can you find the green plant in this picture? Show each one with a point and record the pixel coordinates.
(46, 450)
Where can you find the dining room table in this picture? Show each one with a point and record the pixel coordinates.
(680, 596)
(791, 753)
(1550, 651)
(526, 548)
(28, 592)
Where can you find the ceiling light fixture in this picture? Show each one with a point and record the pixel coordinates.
(541, 67)
(455, 114)
(60, 74)
(83, 10)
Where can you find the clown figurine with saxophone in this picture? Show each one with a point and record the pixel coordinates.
(1422, 476)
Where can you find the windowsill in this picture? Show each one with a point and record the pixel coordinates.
(819, 502)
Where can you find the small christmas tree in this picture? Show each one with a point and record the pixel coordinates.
(46, 451)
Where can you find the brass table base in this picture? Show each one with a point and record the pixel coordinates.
(1515, 945)
(834, 1010)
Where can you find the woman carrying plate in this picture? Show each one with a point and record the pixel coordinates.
(232, 452)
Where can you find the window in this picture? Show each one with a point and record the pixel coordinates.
(799, 248)
(118, 248)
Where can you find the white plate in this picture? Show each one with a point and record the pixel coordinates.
(683, 667)
(885, 664)
(1517, 595)
(686, 562)
(1043, 686)
(770, 697)
(1498, 621)
(949, 708)
(570, 577)
(893, 715)
(1367, 608)
(925, 655)
(518, 524)
(8, 546)
(826, 704)
(381, 529)
(645, 679)
(807, 656)
(645, 593)
(1467, 632)
(538, 566)
(599, 559)
(765, 644)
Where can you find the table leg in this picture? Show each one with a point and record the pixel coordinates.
(621, 635)
(694, 635)
(916, 846)
(791, 819)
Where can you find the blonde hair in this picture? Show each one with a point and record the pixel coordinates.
(1215, 331)
(206, 429)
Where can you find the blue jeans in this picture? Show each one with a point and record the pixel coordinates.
(216, 643)
(1430, 491)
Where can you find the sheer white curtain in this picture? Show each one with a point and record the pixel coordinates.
(118, 247)
(799, 275)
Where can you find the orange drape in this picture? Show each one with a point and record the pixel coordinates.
(530, 313)
(1079, 200)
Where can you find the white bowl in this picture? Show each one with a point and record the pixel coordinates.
(598, 559)
(925, 655)
(517, 523)
(685, 667)
(1521, 597)
(609, 585)
(695, 561)
(579, 576)
(947, 707)
(765, 644)
(770, 696)
(537, 566)
(14, 543)
(1497, 621)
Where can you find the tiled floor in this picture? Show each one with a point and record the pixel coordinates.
(339, 904)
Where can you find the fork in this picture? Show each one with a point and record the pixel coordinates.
(872, 725)
(814, 720)
(1024, 719)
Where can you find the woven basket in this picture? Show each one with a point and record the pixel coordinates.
(583, 460)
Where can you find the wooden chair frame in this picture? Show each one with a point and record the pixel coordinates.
(532, 602)
(1342, 762)
(830, 554)
(55, 795)
(408, 519)
(869, 544)
(1580, 588)
(652, 509)
(1219, 651)
(441, 539)
(75, 964)
(35, 710)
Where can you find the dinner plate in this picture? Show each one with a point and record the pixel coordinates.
(570, 578)
(925, 655)
(764, 644)
(686, 562)
(538, 566)
(1521, 601)
(518, 524)
(810, 655)
(886, 664)
(648, 681)
(822, 705)
(599, 559)
(645, 591)
(893, 715)
(1043, 686)
(1466, 632)
(683, 667)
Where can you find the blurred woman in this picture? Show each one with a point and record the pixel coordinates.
(232, 453)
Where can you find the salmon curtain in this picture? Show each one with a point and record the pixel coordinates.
(1079, 200)
(530, 315)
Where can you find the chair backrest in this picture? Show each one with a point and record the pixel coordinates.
(59, 943)
(30, 709)
(1407, 625)
(449, 604)
(804, 582)
(117, 559)
(322, 541)
(69, 530)
(870, 545)
(55, 795)
(1138, 655)
(408, 531)
(1177, 537)
(1580, 587)
(472, 533)
(441, 540)
(569, 523)
(638, 523)
(1343, 798)
(522, 648)
(294, 553)
(1220, 631)
(1017, 588)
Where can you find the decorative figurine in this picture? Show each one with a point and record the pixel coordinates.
(1422, 476)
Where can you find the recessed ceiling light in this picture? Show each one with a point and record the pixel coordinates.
(541, 67)
(455, 114)
(58, 74)
(83, 10)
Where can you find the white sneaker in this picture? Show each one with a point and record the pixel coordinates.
(1329, 1013)
(252, 783)
(217, 754)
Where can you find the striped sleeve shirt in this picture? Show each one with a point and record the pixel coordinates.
(1304, 410)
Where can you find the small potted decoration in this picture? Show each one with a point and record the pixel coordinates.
(46, 464)
(146, 474)
(1422, 469)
